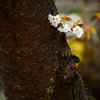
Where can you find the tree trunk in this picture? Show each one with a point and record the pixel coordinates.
(35, 60)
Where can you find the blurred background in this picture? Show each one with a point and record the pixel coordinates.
(87, 48)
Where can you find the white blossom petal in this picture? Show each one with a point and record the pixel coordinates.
(65, 28)
(54, 20)
(78, 31)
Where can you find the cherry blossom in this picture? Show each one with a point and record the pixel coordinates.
(66, 25)
(54, 20)
(78, 31)
(64, 28)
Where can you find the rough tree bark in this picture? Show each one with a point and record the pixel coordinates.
(35, 60)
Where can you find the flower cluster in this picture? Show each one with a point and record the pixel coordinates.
(62, 25)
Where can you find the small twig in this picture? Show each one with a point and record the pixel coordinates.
(91, 24)
(72, 39)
